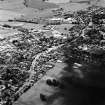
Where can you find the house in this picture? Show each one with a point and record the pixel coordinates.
(56, 19)
(70, 20)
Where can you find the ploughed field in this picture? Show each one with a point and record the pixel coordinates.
(24, 59)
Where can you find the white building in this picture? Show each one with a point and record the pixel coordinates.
(57, 19)
(56, 33)
(70, 20)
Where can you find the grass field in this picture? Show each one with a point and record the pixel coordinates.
(4, 33)
(37, 8)
(38, 4)
(74, 6)
(58, 1)
(5, 15)
(12, 5)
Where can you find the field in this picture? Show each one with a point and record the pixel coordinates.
(36, 8)
(39, 4)
(6, 15)
(58, 1)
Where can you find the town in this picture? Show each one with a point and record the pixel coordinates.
(30, 48)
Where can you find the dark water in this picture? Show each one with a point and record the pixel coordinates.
(76, 94)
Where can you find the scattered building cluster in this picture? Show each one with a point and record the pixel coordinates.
(24, 59)
(28, 55)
